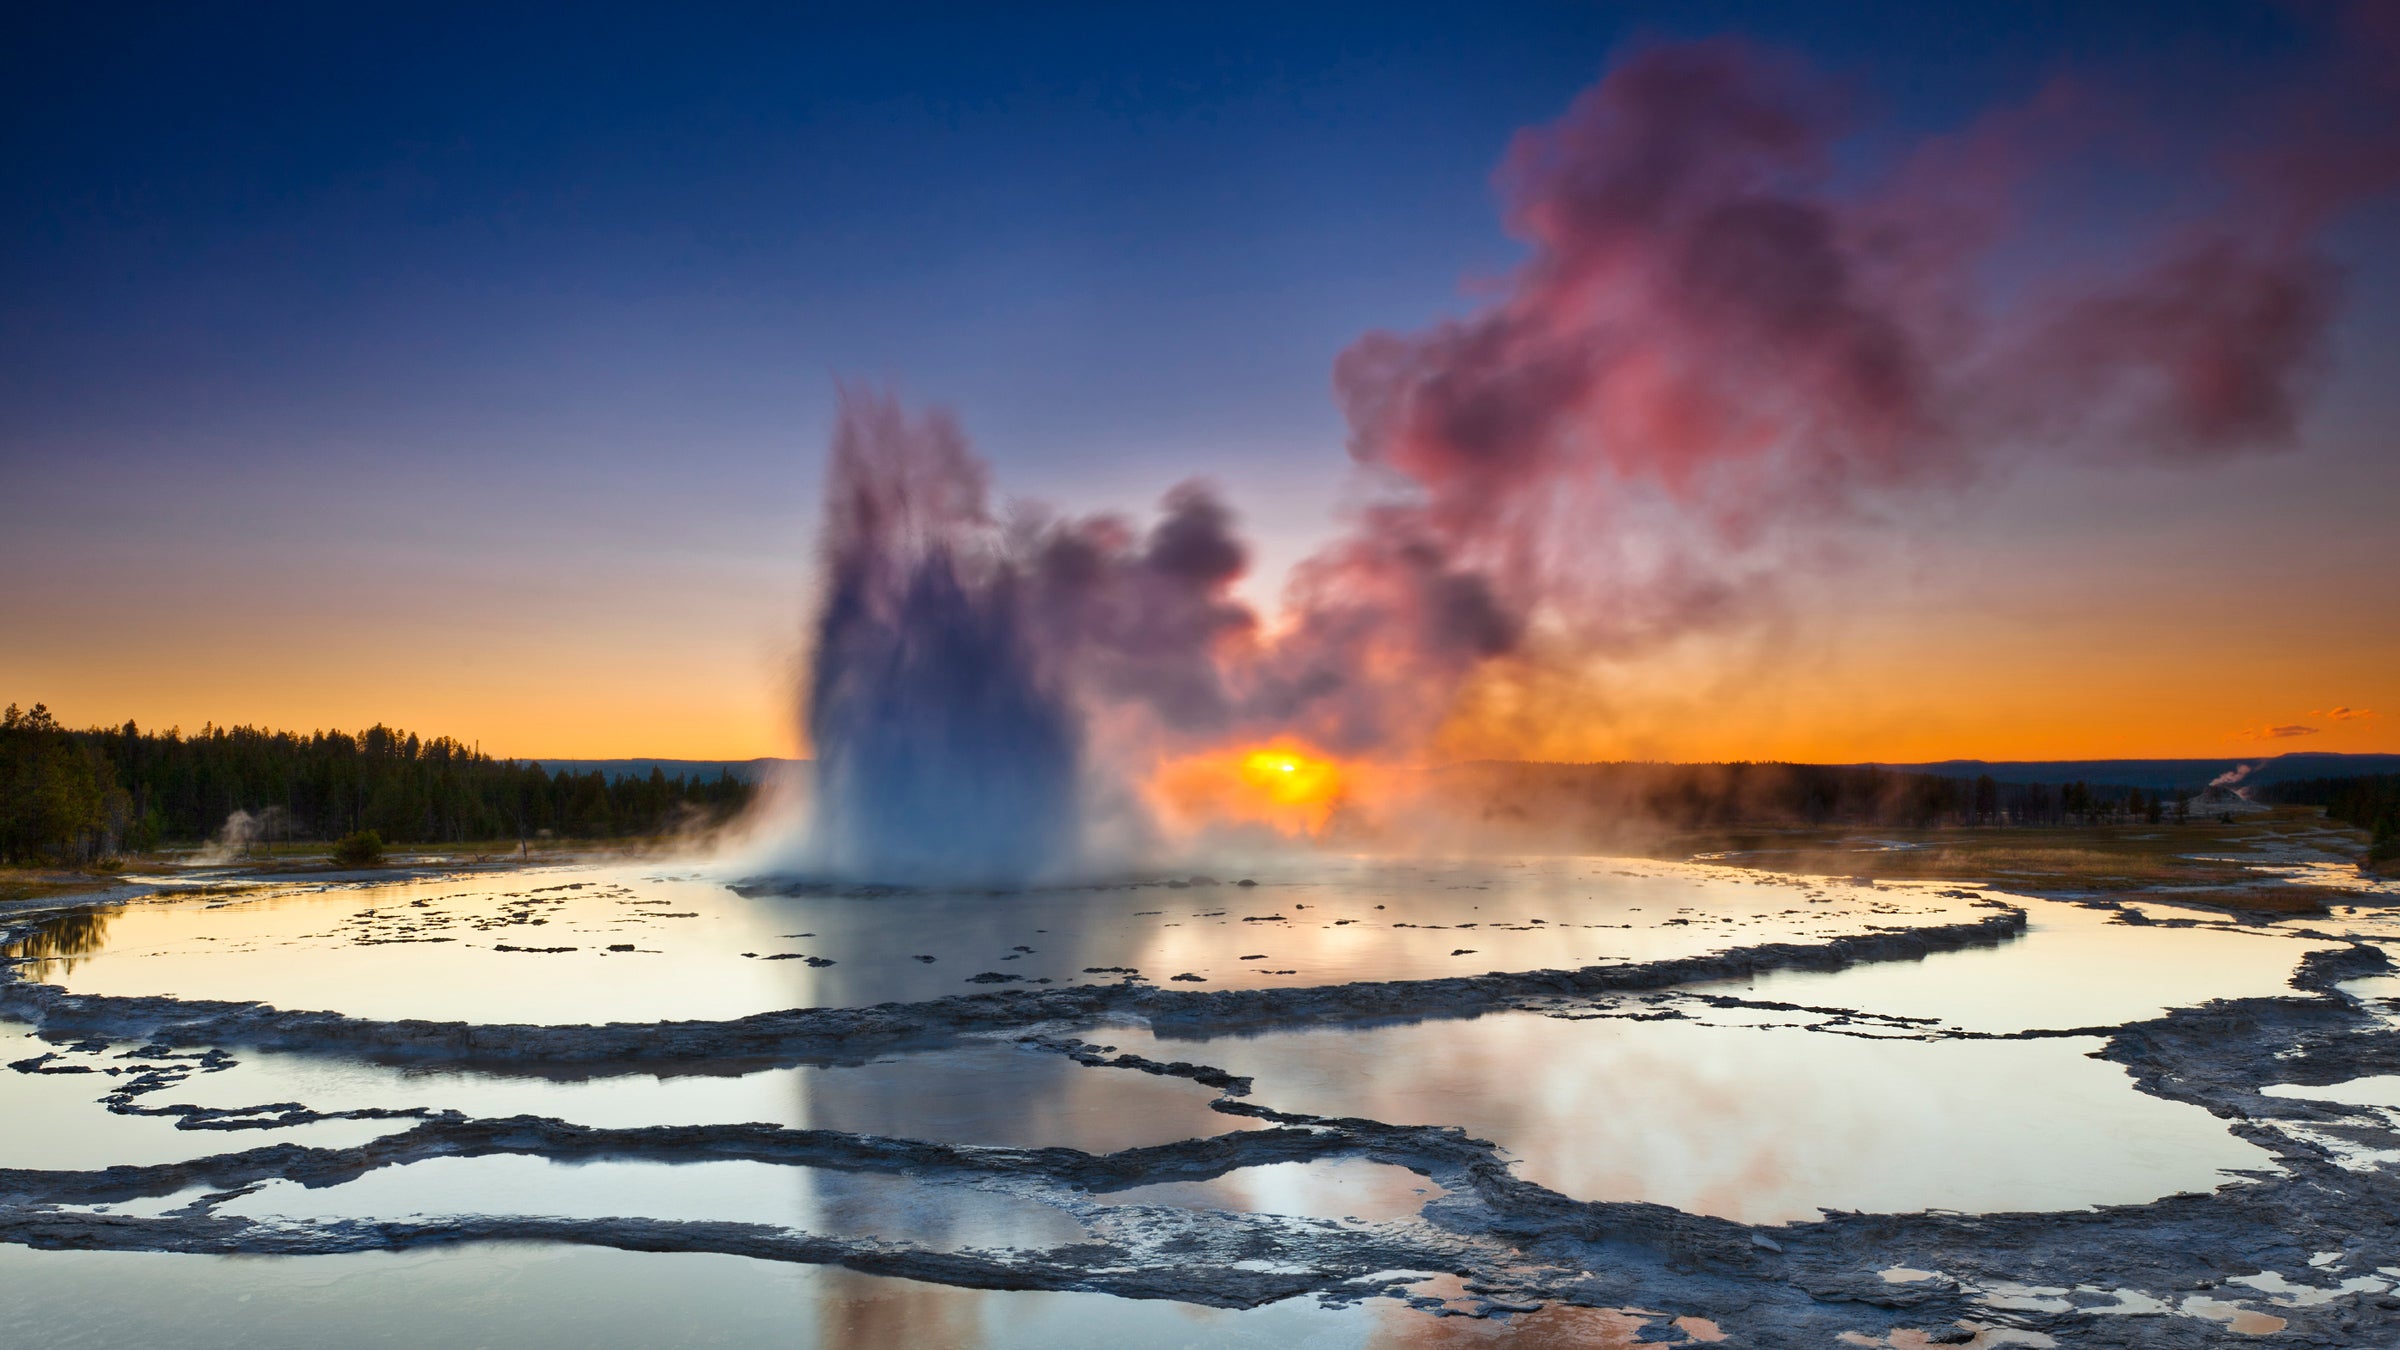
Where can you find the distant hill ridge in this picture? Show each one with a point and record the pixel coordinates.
(2176, 773)
(742, 770)
(2141, 773)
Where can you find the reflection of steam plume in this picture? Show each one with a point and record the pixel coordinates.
(1712, 347)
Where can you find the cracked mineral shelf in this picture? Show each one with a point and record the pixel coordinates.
(1597, 1089)
(56, 1120)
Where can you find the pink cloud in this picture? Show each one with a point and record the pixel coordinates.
(1716, 345)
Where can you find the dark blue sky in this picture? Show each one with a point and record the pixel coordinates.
(610, 233)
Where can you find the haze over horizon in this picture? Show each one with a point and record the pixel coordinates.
(482, 387)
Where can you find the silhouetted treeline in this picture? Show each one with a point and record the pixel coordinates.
(2370, 803)
(58, 795)
(81, 794)
(1601, 797)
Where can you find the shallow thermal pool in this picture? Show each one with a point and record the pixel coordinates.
(540, 1297)
(931, 1215)
(988, 1091)
(55, 1121)
(632, 944)
(1760, 1124)
(2076, 966)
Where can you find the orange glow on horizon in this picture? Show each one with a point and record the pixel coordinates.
(1284, 784)
(693, 666)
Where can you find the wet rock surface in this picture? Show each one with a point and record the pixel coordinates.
(2308, 1252)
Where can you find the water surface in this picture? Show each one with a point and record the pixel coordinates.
(543, 945)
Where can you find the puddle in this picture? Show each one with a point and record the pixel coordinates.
(1759, 1125)
(807, 1199)
(2285, 1294)
(2380, 1090)
(2235, 1316)
(1347, 1188)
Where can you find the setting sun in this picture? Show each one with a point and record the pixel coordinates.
(1283, 784)
(1290, 777)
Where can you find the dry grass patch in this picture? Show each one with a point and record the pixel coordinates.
(44, 883)
(2139, 857)
(2265, 899)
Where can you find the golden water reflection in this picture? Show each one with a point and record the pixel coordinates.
(59, 943)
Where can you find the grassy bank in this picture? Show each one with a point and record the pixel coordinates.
(2208, 864)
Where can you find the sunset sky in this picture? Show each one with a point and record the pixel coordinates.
(472, 371)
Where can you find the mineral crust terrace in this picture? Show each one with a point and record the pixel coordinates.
(2164, 1274)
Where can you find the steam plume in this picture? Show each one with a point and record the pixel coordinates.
(1714, 346)
(964, 661)
(1707, 322)
(241, 831)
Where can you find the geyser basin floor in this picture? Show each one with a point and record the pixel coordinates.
(1066, 1151)
(542, 946)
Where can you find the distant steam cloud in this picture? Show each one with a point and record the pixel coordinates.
(241, 832)
(2231, 776)
(1716, 348)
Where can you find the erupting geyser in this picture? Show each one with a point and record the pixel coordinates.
(944, 753)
